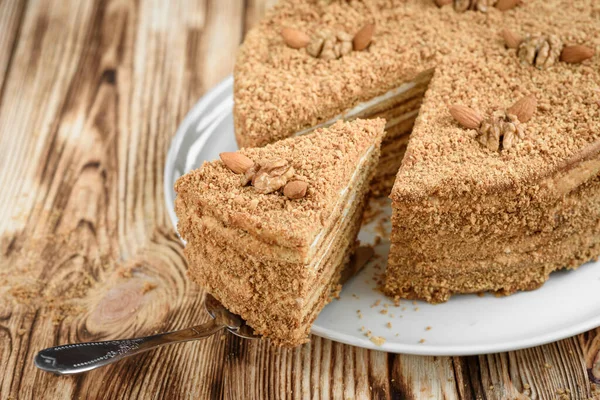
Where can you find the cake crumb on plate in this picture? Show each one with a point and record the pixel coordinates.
(378, 340)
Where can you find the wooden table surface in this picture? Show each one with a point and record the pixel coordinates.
(91, 93)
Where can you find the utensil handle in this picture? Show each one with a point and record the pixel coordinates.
(81, 357)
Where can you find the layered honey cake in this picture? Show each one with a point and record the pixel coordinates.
(269, 230)
(498, 183)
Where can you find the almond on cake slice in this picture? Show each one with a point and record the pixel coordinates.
(294, 38)
(466, 116)
(576, 53)
(236, 162)
(524, 108)
(363, 37)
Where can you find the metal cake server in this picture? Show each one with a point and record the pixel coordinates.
(81, 357)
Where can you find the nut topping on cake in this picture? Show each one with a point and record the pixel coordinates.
(504, 5)
(236, 162)
(295, 189)
(500, 129)
(363, 37)
(329, 46)
(478, 5)
(466, 116)
(270, 176)
(511, 39)
(249, 174)
(576, 54)
(541, 51)
(294, 38)
(524, 108)
(315, 46)
(503, 129)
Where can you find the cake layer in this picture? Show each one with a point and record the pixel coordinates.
(392, 153)
(386, 173)
(436, 280)
(399, 107)
(279, 306)
(555, 204)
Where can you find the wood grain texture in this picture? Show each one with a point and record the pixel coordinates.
(91, 93)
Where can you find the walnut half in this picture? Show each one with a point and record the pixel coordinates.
(477, 5)
(330, 46)
(269, 176)
(500, 131)
(541, 51)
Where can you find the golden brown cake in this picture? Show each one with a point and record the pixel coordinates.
(485, 199)
(269, 230)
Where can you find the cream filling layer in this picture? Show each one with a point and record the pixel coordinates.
(349, 205)
(354, 112)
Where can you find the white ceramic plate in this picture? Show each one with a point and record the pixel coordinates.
(568, 304)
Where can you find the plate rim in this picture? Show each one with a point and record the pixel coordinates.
(188, 120)
(453, 350)
(392, 347)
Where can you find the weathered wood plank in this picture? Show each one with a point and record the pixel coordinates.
(98, 188)
(12, 13)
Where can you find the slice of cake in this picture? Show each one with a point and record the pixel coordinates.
(485, 199)
(269, 230)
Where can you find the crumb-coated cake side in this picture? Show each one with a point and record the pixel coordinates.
(500, 183)
(269, 230)
(480, 202)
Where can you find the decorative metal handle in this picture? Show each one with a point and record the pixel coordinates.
(81, 357)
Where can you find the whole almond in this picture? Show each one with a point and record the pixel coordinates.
(576, 54)
(294, 38)
(504, 5)
(442, 3)
(511, 39)
(295, 189)
(524, 108)
(363, 37)
(236, 162)
(466, 116)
